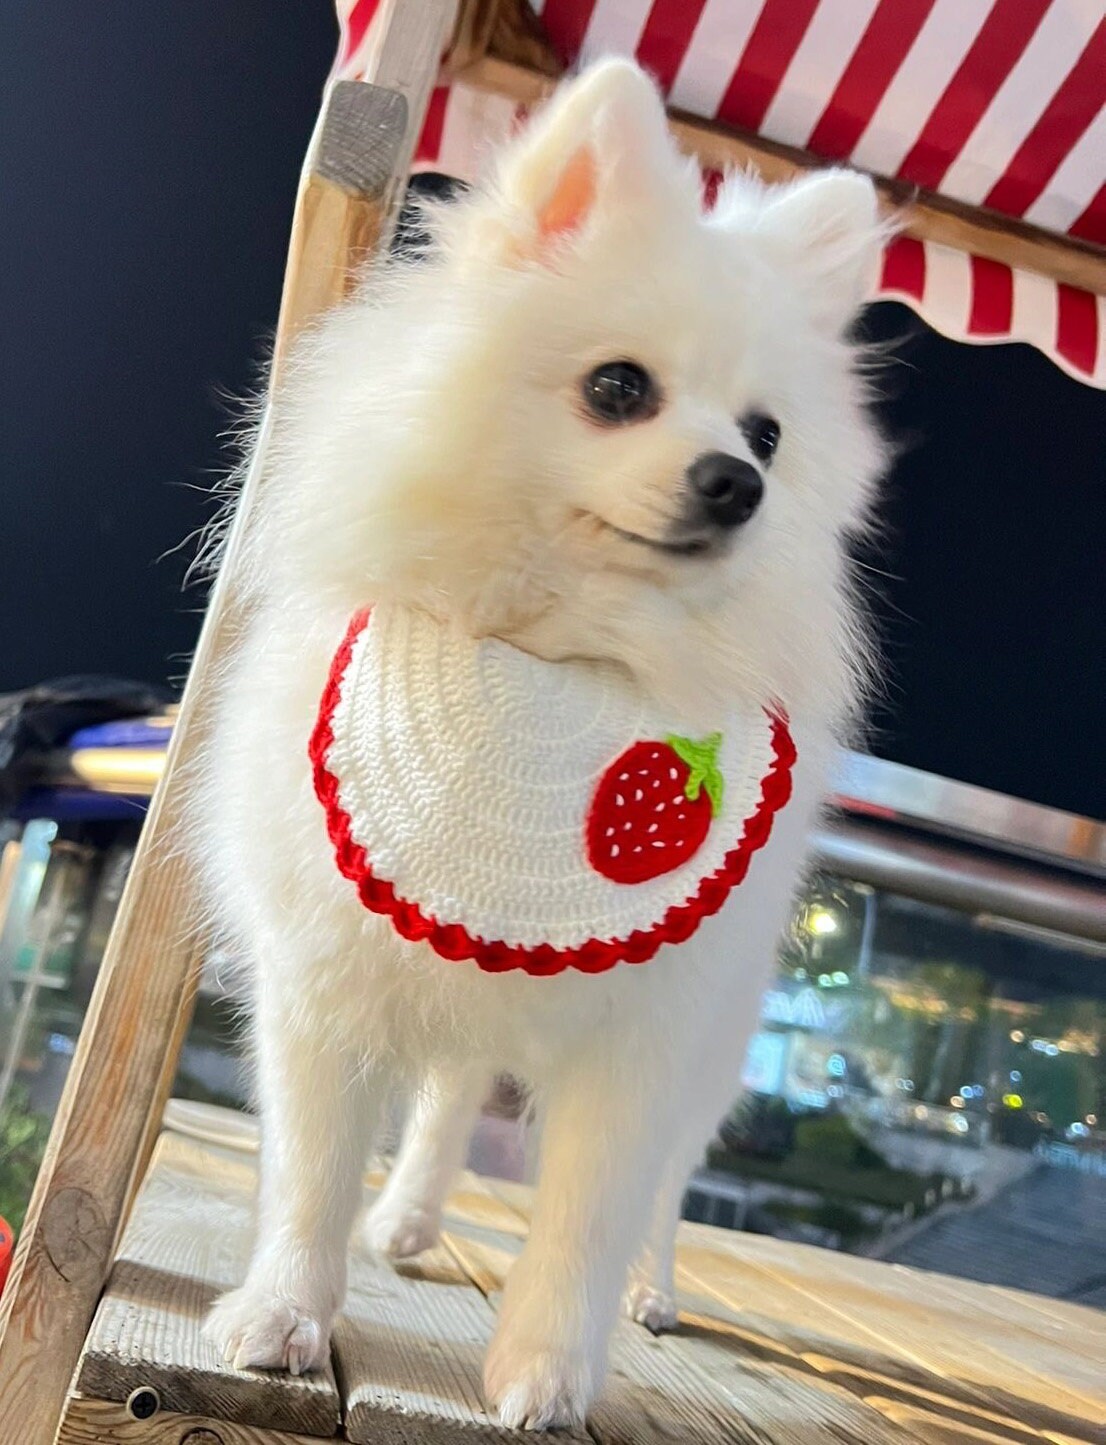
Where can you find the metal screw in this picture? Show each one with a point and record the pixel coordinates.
(143, 1403)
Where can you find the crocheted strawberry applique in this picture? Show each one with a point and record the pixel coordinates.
(653, 808)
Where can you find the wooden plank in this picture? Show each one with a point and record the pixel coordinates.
(779, 1324)
(1012, 1322)
(899, 1304)
(761, 1338)
(212, 1124)
(162, 1089)
(786, 1398)
(1073, 1356)
(933, 1429)
(147, 980)
(358, 163)
(409, 1349)
(761, 1360)
(923, 214)
(838, 1324)
(1028, 1384)
(100, 1422)
(778, 1387)
(694, 1386)
(476, 20)
(189, 1240)
(902, 1413)
(645, 1401)
(1054, 1314)
(1033, 1320)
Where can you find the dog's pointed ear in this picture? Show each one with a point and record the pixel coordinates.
(826, 231)
(599, 146)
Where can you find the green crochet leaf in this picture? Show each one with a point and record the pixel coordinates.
(701, 757)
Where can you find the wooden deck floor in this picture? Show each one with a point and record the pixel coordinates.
(779, 1344)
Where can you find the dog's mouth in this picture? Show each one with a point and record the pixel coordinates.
(699, 545)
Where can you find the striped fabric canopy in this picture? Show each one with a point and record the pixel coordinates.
(997, 103)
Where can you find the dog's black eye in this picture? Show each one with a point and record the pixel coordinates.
(763, 435)
(619, 392)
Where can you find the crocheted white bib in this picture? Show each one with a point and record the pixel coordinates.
(527, 814)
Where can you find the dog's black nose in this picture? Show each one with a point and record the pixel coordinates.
(729, 489)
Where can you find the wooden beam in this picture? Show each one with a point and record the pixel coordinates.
(352, 182)
(521, 67)
(102, 1422)
(187, 1240)
(472, 34)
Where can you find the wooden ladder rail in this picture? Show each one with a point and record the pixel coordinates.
(350, 189)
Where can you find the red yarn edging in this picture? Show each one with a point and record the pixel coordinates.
(453, 942)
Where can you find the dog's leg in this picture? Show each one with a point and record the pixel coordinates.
(650, 1297)
(317, 1110)
(602, 1155)
(407, 1216)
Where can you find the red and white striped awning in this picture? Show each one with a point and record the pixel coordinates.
(998, 103)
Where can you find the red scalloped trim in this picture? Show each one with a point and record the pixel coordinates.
(453, 942)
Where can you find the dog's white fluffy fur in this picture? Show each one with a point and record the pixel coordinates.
(429, 447)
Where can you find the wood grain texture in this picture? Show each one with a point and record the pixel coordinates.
(926, 215)
(409, 1349)
(188, 1240)
(100, 1422)
(147, 981)
(779, 1344)
(472, 33)
(159, 1102)
(911, 1347)
(821, 1322)
(212, 1124)
(696, 1385)
(911, 1317)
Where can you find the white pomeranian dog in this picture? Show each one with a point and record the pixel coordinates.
(549, 643)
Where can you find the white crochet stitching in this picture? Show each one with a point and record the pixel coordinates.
(467, 769)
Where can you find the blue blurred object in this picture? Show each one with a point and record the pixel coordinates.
(133, 732)
(78, 805)
(38, 720)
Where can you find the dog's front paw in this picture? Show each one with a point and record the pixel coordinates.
(646, 1304)
(399, 1231)
(537, 1389)
(255, 1328)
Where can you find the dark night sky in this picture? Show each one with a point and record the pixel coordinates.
(149, 163)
